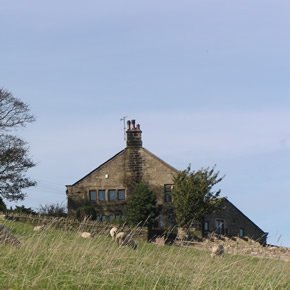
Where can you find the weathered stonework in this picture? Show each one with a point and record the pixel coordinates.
(235, 223)
(114, 175)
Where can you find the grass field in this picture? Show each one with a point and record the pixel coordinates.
(55, 259)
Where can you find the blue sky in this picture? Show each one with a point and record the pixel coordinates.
(208, 81)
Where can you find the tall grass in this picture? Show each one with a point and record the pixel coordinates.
(57, 259)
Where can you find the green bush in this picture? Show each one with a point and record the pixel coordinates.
(86, 212)
(193, 195)
(142, 206)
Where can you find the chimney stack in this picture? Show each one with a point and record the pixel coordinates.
(134, 138)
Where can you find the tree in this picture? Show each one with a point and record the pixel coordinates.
(23, 210)
(142, 206)
(193, 195)
(56, 210)
(14, 159)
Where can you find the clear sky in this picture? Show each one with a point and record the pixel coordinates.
(208, 81)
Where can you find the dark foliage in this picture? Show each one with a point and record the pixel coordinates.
(86, 212)
(193, 195)
(142, 206)
(55, 210)
(14, 159)
(23, 210)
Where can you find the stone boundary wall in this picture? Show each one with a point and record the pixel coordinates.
(240, 246)
(67, 224)
(234, 245)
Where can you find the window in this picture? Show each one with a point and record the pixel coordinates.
(220, 226)
(206, 226)
(119, 217)
(104, 218)
(242, 232)
(92, 196)
(102, 195)
(168, 192)
(121, 194)
(112, 194)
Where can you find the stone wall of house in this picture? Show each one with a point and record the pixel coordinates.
(235, 222)
(156, 174)
(121, 172)
(110, 175)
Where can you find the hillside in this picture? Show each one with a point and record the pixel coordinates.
(57, 259)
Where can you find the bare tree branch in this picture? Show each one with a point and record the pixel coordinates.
(14, 159)
(13, 112)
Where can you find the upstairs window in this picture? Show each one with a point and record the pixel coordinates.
(101, 195)
(168, 192)
(121, 194)
(92, 196)
(112, 194)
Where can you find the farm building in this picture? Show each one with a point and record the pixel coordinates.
(109, 186)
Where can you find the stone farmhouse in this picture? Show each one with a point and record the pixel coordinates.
(109, 186)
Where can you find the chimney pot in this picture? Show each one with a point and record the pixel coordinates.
(134, 134)
(133, 124)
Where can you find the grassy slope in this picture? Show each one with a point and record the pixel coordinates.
(54, 259)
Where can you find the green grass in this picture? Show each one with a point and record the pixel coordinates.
(55, 259)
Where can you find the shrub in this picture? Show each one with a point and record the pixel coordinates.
(55, 210)
(86, 212)
(142, 206)
(23, 210)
